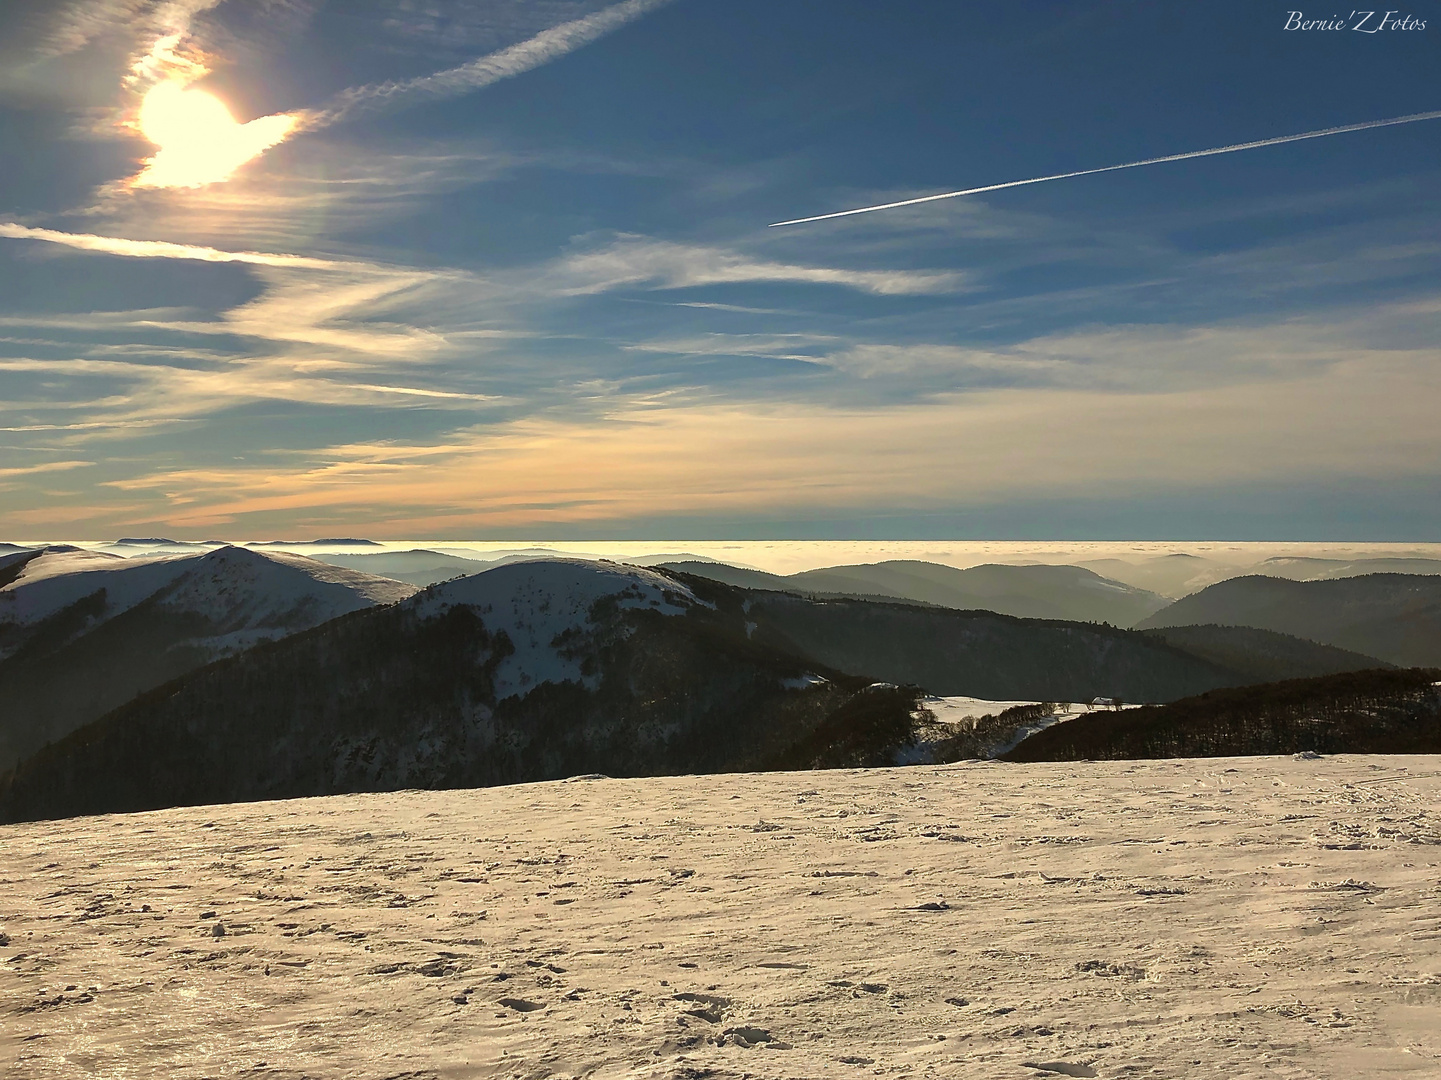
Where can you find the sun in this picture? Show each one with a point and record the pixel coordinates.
(199, 141)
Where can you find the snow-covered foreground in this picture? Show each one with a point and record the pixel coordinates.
(1205, 918)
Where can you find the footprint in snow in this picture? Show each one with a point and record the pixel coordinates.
(520, 1004)
(708, 1007)
(746, 1037)
(1061, 1068)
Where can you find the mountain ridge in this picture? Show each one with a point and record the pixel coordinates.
(1039, 591)
(76, 645)
(1395, 617)
(640, 675)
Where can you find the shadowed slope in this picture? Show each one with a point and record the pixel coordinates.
(86, 641)
(1359, 712)
(1263, 655)
(1396, 617)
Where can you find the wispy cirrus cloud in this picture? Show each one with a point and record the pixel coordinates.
(149, 394)
(337, 304)
(159, 249)
(515, 60)
(78, 23)
(353, 187)
(632, 260)
(809, 348)
(45, 467)
(171, 55)
(173, 59)
(1143, 359)
(726, 458)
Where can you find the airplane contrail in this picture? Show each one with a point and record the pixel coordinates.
(1365, 126)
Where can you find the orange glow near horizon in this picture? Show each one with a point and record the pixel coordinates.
(199, 141)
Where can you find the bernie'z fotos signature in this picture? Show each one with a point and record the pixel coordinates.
(1365, 22)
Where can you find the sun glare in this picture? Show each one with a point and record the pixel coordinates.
(199, 141)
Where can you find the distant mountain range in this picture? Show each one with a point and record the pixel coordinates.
(1177, 575)
(1169, 575)
(1300, 568)
(424, 566)
(419, 566)
(1396, 617)
(529, 671)
(1034, 592)
(81, 633)
(240, 673)
(980, 653)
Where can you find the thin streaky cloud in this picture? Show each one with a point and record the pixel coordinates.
(167, 55)
(52, 466)
(417, 392)
(104, 425)
(741, 309)
(1257, 144)
(640, 262)
(160, 249)
(81, 23)
(524, 56)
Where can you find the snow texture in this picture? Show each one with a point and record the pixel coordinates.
(1224, 917)
(246, 588)
(60, 576)
(235, 588)
(963, 712)
(804, 682)
(540, 604)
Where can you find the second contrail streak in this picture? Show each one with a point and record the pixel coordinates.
(1128, 165)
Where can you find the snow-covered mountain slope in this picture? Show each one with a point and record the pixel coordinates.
(546, 609)
(232, 586)
(59, 577)
(239, 590)
(81, 633)
(12, 562)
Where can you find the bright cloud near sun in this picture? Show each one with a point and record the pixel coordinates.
(199, 141)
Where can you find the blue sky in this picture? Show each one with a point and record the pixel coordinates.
(509, 274)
